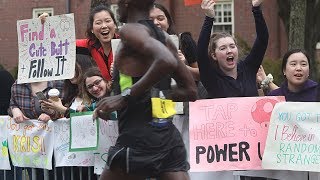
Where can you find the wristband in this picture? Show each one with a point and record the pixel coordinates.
(265, 83)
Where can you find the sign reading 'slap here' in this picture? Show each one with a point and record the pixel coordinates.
(229, 133)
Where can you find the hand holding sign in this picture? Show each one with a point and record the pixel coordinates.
(18, 115)
(208, 7)
(43, 17)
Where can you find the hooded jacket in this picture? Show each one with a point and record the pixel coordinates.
(308, 93)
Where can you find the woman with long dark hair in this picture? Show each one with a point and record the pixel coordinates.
(101, 29)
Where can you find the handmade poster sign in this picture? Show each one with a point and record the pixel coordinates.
(4, 154)
(293, 141)
(229, 133)
(46, 51)
(61, 147)
(108, 134)
(84, 134)
(31, 143)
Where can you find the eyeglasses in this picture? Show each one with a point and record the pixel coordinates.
(95, 83)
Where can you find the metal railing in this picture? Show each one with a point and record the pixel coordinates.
(57, 173)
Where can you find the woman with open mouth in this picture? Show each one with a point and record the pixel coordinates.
(101, 29)
(221, 72)
(297, 85)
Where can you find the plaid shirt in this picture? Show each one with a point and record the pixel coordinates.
(22, 98)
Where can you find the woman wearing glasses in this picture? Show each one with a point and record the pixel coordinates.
(73, 99)
(91, 87)
(95, 86)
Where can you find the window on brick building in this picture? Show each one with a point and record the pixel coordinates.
(36, 12)
(224, 20)
(115, 9)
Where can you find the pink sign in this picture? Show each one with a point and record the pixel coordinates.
(229, 133)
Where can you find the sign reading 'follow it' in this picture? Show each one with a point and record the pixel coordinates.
(229, 133)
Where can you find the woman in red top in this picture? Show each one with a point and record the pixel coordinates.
(101, 29)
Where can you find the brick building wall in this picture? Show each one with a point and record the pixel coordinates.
(10, 12)
(81, 10)
(191, 19)
(185, 19)
(13, 10)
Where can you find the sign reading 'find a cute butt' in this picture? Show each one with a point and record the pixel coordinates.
(46, 51)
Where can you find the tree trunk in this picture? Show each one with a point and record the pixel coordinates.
(311, 25)
(95, 3)
(284, 13)
(297, 23)
(312, 36)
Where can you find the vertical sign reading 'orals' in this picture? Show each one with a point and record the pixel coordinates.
(46, 51)
(293, 141)
(229, 133)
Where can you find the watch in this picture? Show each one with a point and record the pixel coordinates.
(126, 93)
